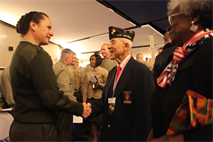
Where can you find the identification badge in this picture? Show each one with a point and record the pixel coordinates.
(111, 100)
(127, 97)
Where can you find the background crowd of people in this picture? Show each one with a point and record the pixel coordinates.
(128, 99)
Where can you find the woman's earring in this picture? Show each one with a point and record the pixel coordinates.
(193, 27)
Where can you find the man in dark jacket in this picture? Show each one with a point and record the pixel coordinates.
(160, 60)
(125, 101)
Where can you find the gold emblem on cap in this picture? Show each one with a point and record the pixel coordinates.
(127, 36)
(113, 31)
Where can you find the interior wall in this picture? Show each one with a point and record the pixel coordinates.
(9, 37)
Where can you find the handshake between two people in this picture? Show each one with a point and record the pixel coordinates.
(87, 110)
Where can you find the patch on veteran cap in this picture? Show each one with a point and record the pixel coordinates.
(115, 32)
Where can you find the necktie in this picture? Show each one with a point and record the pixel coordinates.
(118, 72)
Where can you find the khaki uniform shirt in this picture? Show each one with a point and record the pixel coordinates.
(149, 65)
(101, 75)
(87, 68)
(6, 97)
(77, 78)
(108, 64)
(64, 80)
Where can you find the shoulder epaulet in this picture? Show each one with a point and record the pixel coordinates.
(29, 52)
(61, 65)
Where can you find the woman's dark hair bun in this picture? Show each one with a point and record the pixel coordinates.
(19, 24)
(23, 24)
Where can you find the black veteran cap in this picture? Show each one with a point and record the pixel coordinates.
(115, 32)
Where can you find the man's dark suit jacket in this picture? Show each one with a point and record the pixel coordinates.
(129, 122)
(161, 59)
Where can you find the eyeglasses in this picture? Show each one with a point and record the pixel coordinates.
(171, 17)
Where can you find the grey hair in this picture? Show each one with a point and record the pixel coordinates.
(192, 8)
(66, 52)
(124, 40)
(105, 44)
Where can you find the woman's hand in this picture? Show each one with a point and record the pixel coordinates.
(96, 84)
(163, 138)
(151, 136)
(170, 138)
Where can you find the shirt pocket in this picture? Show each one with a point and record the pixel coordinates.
(100, 78)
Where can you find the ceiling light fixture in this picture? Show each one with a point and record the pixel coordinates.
(8, 18)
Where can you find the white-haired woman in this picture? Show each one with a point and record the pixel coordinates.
(179, 104)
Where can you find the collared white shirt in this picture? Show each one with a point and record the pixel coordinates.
(122, 63)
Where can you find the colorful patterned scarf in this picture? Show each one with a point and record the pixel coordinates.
(195, 111)
(168, 75)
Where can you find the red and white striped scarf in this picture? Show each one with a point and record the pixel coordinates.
(180, 53)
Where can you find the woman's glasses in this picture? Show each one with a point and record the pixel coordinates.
(171, 17)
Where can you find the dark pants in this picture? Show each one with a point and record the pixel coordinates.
(78, 127)
(33, 132)
(65, 122)
(79, 96)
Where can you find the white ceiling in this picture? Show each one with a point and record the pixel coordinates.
(74, 20)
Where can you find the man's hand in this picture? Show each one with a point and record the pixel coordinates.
(89, 107)
(86, 112)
